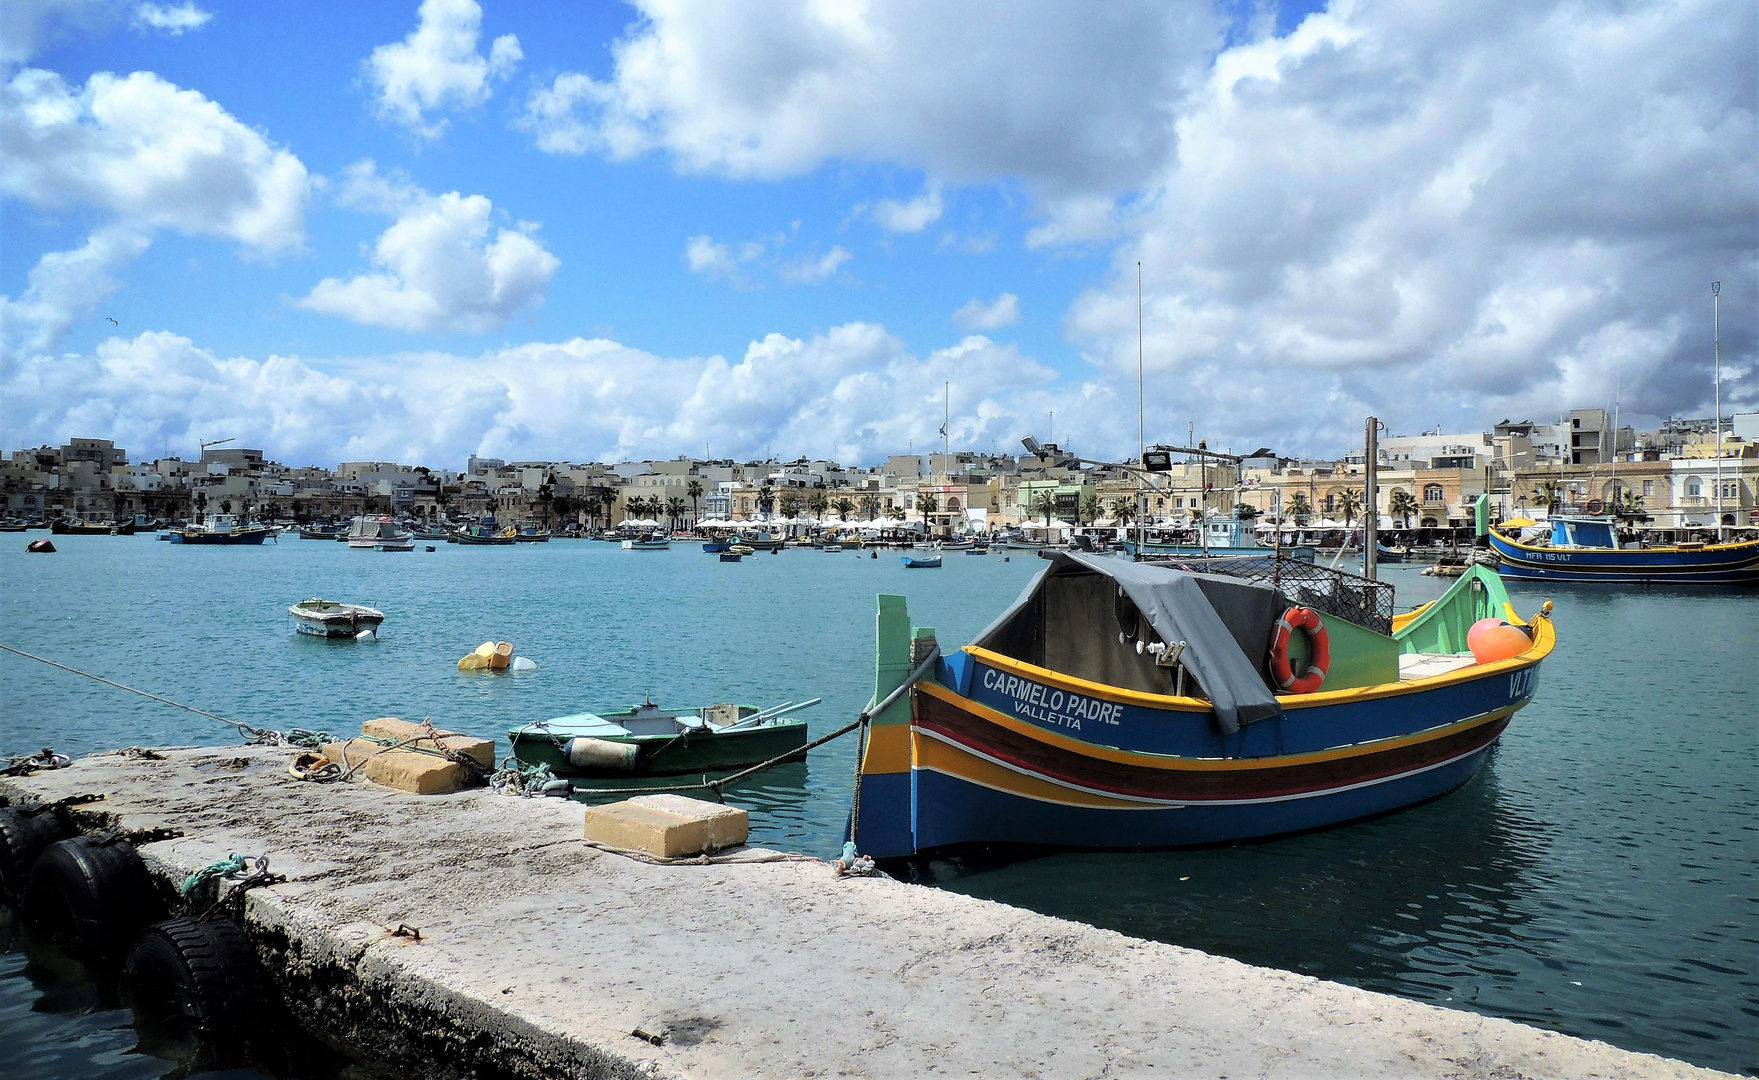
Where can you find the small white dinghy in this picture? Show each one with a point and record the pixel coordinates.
(333, 619)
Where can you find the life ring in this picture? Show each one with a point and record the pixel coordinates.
(91, 896)
(1595, 506)
(1319, 639)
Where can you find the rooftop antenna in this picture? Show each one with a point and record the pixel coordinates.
(1716, 337)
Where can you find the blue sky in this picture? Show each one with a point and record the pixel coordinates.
(752, 227)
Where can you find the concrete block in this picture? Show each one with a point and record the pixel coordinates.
(670, 826)
(405, 770)
(482, 751)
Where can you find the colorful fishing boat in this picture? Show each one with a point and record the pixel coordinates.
(648, 740)
(1588, 548)
(379, 534)
(1121, 705)
(222, 529)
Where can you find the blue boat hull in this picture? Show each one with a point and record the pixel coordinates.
(1718, 564)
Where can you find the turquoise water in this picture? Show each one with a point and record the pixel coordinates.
(1598, 878)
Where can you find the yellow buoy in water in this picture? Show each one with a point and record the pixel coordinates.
(473, 662)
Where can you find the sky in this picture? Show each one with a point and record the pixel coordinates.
(419, 231)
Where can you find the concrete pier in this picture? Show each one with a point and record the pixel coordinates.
(539, 956)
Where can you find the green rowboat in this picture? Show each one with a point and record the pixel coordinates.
(648, 740)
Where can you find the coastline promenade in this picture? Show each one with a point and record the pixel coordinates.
(539, 956)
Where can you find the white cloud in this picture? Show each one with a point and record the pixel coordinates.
(152, 154)
(1443, 215)
(975, 314)
(712, 260)
(29, 26)
(439, 270)
(1067, 97)
(171, 19)
(437, 67)
(814, 268)
(909, 216)
(65, 286)
(854, 392)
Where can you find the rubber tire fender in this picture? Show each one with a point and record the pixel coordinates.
(94, 896)
(23, 836)
(203, 972)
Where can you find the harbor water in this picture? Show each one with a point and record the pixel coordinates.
(1597, 878)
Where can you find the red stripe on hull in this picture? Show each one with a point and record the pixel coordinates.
(973, 732)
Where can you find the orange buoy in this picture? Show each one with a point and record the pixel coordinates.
(1479, 627)
(502, 656)
(1499, 643)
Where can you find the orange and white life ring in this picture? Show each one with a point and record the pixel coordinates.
(1319, 641)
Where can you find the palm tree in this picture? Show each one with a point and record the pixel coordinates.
(546, 498)
(1124, 510)
(817, 503)
(1402, 506)
(868, 504)
(926, 504)
(1045, 503)
(1548, 492)
(1089, 507)
(896, 513)
(694, 490)
(675, 509)
(1352, 503)
(842, 506)
(1300, 507)
(1627, 505)
(766, 500)
(790, 506)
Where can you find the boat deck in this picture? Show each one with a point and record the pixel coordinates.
(1424, 665)
(541, 957)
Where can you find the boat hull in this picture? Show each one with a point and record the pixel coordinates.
(1716, 564)
(672, 755)
(1152, 550)
(237, 536)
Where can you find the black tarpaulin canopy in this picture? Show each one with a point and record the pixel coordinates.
(1084, 615)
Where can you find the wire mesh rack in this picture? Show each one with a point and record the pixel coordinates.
(1348, 596)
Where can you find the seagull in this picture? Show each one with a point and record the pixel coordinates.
(113, 320)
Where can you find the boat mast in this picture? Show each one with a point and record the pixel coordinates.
(1141, 424)
(1716, 337)
(1371, 500)
(1612, 486)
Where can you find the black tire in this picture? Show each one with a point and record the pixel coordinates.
(204, 975)
(23, 836)
(91, 896)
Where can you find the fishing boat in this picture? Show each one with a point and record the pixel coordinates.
(532, 536)
(717, 547)
(333, 619)
(1587, 548)
(76, 527)
(379, 534)
(1385, 554)
(831, 546)
(12, 526)
(649, 541)
(741, 549)
(647, 740)
(222, 529)
(762, 541)
(432, 534)
(483, 534)
(1122, 705)
(984, 550)
(920, 562)
(320, 532)
(1231, 535)
(731, 556)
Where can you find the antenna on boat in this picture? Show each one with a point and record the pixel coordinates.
(1716, 337)
(1141, 421)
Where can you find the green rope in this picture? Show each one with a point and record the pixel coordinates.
(237, 864)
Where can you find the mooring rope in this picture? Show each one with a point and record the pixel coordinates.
(256, 733)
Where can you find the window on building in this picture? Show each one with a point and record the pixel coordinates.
(1731, 489)
(952, 506)
(1693, 487)
(1432, 493)
(1648, 488)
